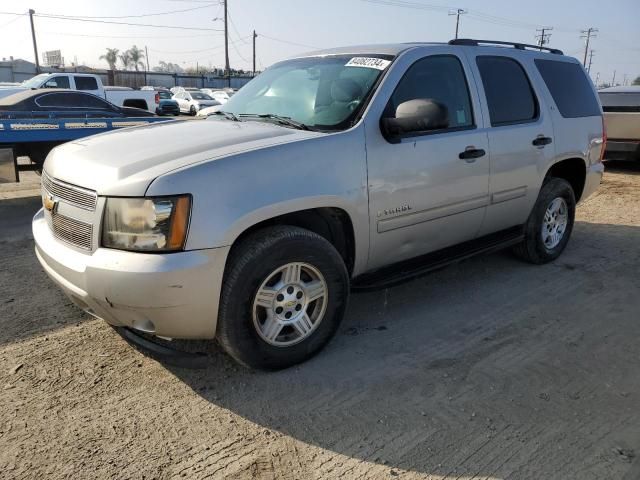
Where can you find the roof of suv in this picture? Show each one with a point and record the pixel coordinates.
(397, 48)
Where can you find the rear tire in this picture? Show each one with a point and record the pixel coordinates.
(550, 224)
(284, 295)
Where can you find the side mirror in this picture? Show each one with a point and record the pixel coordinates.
(419, 115)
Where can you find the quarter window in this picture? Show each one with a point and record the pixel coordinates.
(570, 88)
(509, 93)
(86, 83)
(439, 78)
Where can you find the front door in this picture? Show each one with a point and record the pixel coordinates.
(430, 189)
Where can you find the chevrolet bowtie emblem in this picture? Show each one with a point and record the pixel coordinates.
(49, 203)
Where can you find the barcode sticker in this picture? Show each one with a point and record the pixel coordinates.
(368, 62)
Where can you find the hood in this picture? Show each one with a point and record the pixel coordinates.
(125, 162)
(6, 91)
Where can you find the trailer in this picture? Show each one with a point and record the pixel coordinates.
(34, 138)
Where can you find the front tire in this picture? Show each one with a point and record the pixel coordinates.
(284, 295)
(550, 224)
(192, 111)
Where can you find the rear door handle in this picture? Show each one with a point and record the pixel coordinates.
(470, 154)
(541, 141)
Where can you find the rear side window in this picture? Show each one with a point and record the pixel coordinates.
(86, 83)
(509, 93)
(569, 87)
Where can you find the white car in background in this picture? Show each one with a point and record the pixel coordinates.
(192, 102)
(220, 95)
(205, 112)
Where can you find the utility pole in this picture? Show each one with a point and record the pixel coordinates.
(226, 46)
(543, 37)
(597, 78)
(33, 36)
(254, 53)
(457, 13)
(624, 80)
(590, 60)
(588, 34)
(146, 55)
(613, 82)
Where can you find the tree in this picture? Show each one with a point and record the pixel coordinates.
(167, 67)
(136, 56)
(636, 81)
(111, 57)
(125, 59)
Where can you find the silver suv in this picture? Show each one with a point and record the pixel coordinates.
(343, 169)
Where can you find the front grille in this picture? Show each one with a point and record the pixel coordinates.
(71, 230)
(79, 197)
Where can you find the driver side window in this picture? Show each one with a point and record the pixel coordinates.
(439, 79)
(57, 82)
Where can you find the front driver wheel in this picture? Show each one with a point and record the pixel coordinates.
(284, 296)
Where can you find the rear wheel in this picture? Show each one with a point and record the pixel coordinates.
(284, 296)
(550, 224)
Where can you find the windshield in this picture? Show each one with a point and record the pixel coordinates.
(36, 81)
(324, 92)
(200, 96)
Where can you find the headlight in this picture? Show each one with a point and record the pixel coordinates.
(146, 224)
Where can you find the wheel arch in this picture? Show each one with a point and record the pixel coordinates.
(571, 169)
(331, 222)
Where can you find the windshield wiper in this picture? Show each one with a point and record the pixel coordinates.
(280, 119)
(227, 115)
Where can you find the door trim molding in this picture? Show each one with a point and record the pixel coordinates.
(429, 214)
(510, 194)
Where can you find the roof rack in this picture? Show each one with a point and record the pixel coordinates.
(519, 46)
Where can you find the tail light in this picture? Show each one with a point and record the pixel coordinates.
(604, 138)
(157, 97)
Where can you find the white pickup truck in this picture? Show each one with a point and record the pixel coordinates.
(120, 96)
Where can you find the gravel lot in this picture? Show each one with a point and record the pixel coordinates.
(488, 369)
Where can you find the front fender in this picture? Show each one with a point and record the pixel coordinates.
(234, 193)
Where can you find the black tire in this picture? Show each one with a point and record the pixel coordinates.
(192, 111)
(250, 264)
(533, 249)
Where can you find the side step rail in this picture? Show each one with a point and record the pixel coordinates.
(408, 270)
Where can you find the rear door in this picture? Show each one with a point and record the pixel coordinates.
(521, 139)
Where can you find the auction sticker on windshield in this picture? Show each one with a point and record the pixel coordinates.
(368, 62)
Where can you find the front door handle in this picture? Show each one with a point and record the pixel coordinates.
(470, 154)
(541, 141)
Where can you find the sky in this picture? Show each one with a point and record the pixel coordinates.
(289, 27)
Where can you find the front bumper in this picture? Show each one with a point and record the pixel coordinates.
(593, 180)
(170, 295)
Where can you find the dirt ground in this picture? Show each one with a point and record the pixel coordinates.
(490, 369)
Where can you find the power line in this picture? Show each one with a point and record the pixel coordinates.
(141, 15)
(59, 17)
(288, 42)
(130, 37)
(17, 17)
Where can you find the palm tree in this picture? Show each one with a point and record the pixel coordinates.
(111, 57)
(136, 55)
(125, 59)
